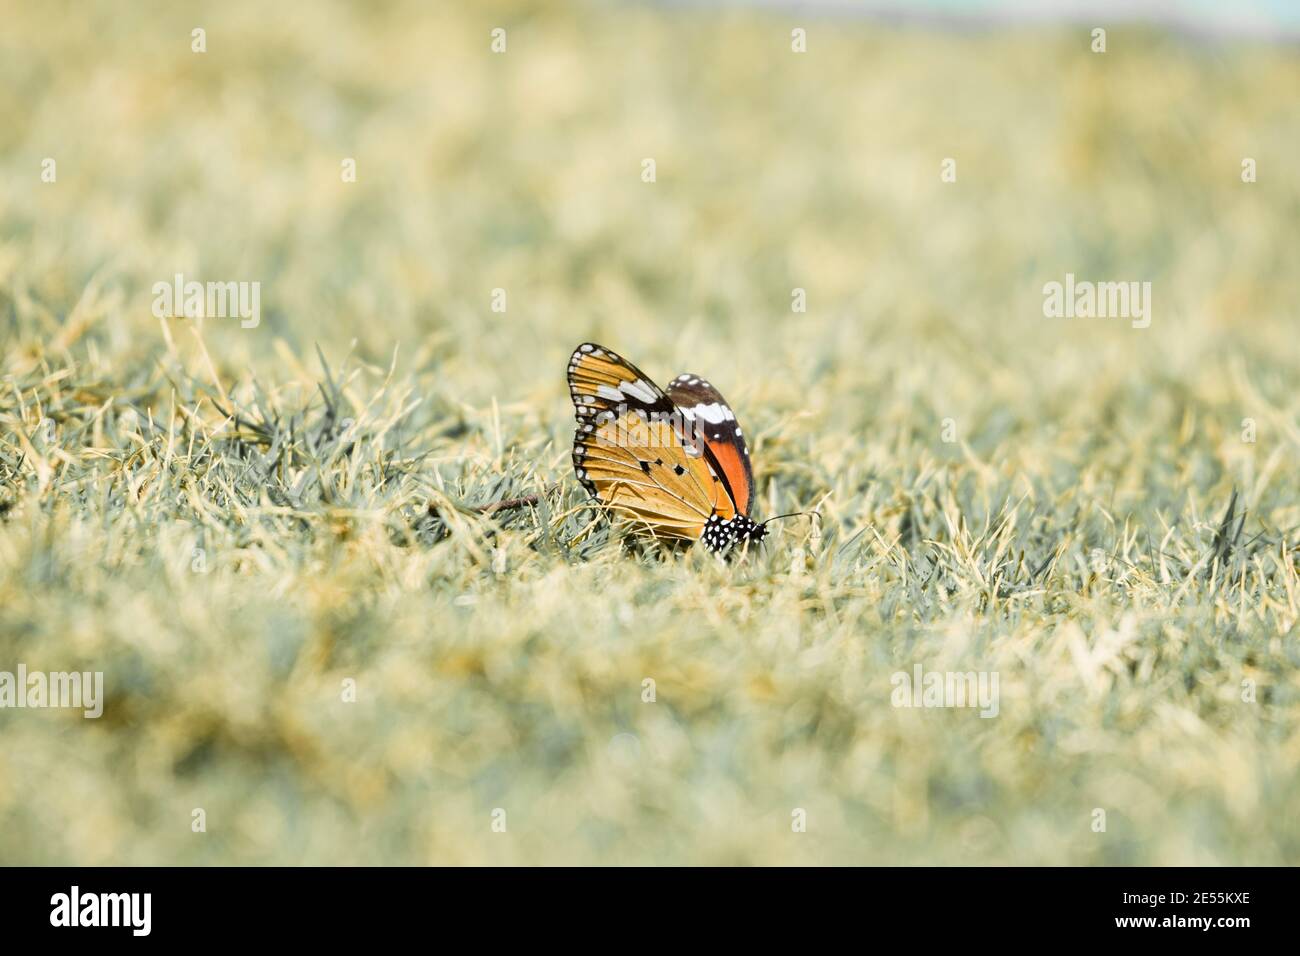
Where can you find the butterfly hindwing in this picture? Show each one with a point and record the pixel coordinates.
(632, 452)
(713, 419)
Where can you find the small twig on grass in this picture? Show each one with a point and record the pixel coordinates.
(524, 502)
(493, 507)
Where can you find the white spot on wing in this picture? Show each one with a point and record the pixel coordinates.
(641, 390)
(713, 413)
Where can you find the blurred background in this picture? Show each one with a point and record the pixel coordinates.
(775, 170)
(522, 171)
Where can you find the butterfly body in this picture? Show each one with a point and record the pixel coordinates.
(675, 463)
(722, 536)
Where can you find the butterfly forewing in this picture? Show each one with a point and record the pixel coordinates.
(714, 421)
(632, 451)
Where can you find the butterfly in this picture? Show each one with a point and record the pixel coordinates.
(675, 463)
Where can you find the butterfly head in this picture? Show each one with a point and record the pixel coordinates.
(721, 536)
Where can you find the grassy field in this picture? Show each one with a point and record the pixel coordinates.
(233, 523)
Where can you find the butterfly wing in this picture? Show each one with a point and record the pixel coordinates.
(633, 449)
(714, 420)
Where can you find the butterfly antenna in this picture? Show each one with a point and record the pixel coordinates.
(793, 514)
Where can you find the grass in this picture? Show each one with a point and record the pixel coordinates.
(231, 523)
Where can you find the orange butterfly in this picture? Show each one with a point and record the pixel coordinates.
(675, 463)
